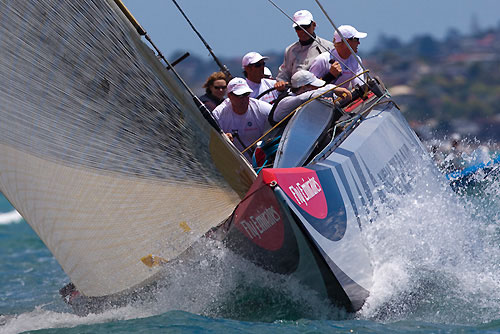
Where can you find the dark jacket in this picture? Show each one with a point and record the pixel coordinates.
(210, 101)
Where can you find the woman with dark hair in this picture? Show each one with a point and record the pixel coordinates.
(215, 87)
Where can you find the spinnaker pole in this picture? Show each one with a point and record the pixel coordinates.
(222, 67)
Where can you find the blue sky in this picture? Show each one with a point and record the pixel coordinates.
(235, 27)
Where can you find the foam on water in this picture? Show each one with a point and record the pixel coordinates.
(10, 217)
(436, 255)
(436, 259)
(212, 282)
(41, 318)
(218, 283)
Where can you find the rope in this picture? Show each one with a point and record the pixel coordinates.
(303, 104)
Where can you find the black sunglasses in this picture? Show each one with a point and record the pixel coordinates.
(259, 64)
(297, 28)
(220, 87)
(240, 96)
(355, 39)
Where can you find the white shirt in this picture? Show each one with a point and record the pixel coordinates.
(259, 88)
(350, 67)
(250, 126)
(290, 103)
(300, 57)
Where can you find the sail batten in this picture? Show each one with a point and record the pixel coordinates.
(101, 151)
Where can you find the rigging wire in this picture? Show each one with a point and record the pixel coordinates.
(222, 67)
(342, 37)
(313, 37)
(302, 105)
(140, 30)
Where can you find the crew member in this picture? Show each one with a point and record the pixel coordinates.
(305, 86)
(253, 64)
(299, 55)
(215, 89)
(340, 64)
(242, 118)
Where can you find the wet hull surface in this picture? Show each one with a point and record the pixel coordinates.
(308, 221)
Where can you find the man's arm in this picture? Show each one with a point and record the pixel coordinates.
(318, 66)
(285, 70)
(334, 72)
(326, 68)
(339, 91)
(283, 73)
(362, 78)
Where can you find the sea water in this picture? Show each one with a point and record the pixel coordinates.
(436, 258)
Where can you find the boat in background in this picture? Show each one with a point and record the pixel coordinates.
(108, 158)
(475, 175)
(467, 166)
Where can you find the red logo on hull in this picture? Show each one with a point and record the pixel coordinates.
(258, 217)
(303, 187)
(256, 226)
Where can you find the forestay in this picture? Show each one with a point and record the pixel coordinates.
(100, 150)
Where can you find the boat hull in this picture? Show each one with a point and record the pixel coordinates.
(308, 221)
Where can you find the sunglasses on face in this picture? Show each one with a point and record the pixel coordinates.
(220, 87)
(259, 64)
(242, 95)
(297, 28)
(355, 39)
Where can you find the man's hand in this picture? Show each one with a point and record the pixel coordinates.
(336, 69)
(280, 86)
(229, 136)
(343, 92)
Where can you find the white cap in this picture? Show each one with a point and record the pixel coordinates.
(252, 58)
(267, 71)
(302, 18)
(348, 32)
(303, 77)
(238, 86)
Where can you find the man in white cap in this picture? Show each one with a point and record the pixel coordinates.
(253, 64)
(340, 64)
(300, 54)
(242, 118)
(305, 86)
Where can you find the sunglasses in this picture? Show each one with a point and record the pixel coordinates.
(220, 87)
(297, 28)
(259, 64)
(355, 39)
(242, 95)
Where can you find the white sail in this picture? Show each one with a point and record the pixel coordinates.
(100, 150)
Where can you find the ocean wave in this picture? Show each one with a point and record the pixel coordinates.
(10, 217)
(40, 319)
